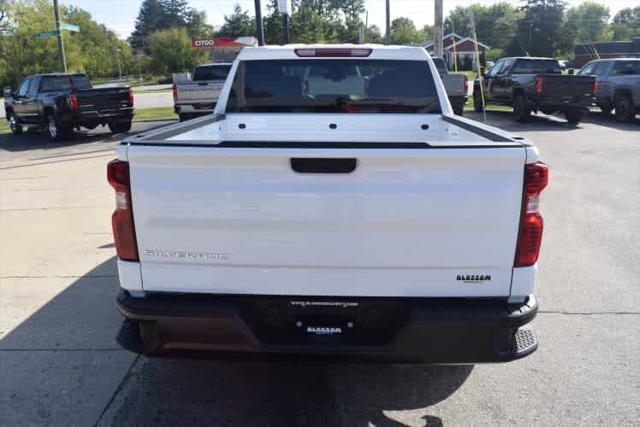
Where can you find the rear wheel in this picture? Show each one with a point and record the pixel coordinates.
(574, 116)
(14, 125)
(478, 106)
(624, 109)
(458, 109)
(520, 110)
(184, 116)
(120, 126)
(57, 131)
(548, 111)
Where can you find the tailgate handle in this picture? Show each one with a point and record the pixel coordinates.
(323, 165)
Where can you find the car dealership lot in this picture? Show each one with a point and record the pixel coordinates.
(60, 364)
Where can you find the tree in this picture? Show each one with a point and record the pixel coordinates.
(492, 22)
(238, 24)
(626, 24)
(589, 22)
(307, 25)
(176, 13)
(149, 18)
(171, 52)
(158, 15)
(403, 31)
(273, 26)
(540, 30)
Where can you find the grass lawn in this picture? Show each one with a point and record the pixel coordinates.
(154, 114)
(140, 89)
(4, 125)
(469, 106)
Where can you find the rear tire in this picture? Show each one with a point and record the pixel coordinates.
(574, 116)
(57, 132)
(14, 125)
(520, 110)
(184, 117)
(624, 109)
(478, 106)
(121, 126)
(458, 110)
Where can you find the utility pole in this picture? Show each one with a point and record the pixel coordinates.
(285, 19)
(63, 60)
(388, 24)
(259, 29)
(438, 28)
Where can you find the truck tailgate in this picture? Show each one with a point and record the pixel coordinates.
(568, 88)
(403, 222)
(103, 99)
(199, 91)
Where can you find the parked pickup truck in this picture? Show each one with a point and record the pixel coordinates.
(199, 97)
(319, 213)
(618, 86)
(456, 86)
(535, 84)
(62, 102)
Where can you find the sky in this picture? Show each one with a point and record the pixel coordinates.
(120, 15)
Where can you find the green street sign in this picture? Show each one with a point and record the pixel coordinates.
(69, 27)
(46, 34)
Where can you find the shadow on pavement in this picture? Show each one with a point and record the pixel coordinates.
(39, 139)
(608, 120)
(79, 325)
(205, 392)
(541, 122)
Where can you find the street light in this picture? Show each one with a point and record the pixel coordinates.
(119, 65)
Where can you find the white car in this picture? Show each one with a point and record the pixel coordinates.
(374, 225)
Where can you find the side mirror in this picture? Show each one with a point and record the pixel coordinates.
(7, 92)
(571, 71)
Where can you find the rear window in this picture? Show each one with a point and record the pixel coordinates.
(51, 84)
(439, 63)
(211, 72)
(333, 86)
(626, 68)
(536, 66)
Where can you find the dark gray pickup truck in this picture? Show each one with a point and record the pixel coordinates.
(618, 85)
(535, 84)
(62, 102)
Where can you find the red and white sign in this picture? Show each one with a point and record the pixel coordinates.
(203, 43)
(210, 42)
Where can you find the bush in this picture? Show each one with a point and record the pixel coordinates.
(171, 52)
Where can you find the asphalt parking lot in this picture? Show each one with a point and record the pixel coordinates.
(60, 364)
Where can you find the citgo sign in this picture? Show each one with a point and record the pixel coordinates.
(207, 43)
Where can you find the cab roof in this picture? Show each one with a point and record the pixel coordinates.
(377, 51)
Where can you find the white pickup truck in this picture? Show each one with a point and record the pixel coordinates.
(199, 96)
(333, 204)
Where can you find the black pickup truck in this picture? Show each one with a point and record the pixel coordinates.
(535, 84)
(62, 102)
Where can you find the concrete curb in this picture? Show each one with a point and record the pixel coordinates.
(153, 120)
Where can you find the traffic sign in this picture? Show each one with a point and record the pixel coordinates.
(46, 34)
(69, 27)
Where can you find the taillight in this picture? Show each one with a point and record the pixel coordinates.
(536, 177)
(333, 52)
(124, 234)
(73, 101)
(466, 85)
(130, 97)
(596, 87)
(174, 89)
(539, 85)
